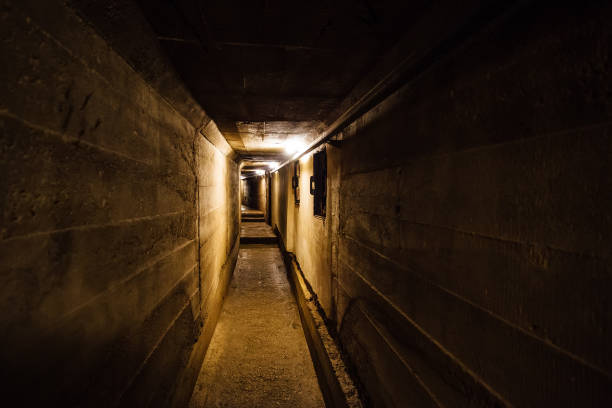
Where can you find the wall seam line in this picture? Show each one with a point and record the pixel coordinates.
(603, 125)
(70, 139)
(553, 346)
(150, 353)
(87, 227)
(428, 336)
(401, 358)
(138, 74)
(485, 236)
(113, 286)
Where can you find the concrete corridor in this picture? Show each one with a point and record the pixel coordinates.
(271, 203)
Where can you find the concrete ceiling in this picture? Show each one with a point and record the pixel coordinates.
(269, 71)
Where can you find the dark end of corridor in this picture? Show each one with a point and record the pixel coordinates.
(266, 203)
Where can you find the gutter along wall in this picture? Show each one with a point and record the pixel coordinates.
(120, 220)
(464, 259)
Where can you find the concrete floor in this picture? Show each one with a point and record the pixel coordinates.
(258, 356)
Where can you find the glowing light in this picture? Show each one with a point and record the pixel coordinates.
(260, 172)
(272, 164)
(294, 146)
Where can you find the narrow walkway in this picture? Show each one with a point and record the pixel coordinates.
(258, 356)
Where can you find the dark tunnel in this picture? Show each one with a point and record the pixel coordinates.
(265, 203)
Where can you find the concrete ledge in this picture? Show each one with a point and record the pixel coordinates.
(336, 384)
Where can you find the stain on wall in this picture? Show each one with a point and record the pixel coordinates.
(471, 266)
(119, 220)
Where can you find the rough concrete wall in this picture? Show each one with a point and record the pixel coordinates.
(474, 238)
(219, 213)
(474, 217)
(101, 295)
(310, 238)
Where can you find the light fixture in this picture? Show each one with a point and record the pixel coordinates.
(293, 146)
(260, 172)
(272, 164)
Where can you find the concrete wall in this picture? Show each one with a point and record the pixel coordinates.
(311, 238)
(108, 189)
(473, 223)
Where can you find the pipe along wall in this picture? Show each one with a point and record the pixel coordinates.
(119, 222)
(464, 259)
